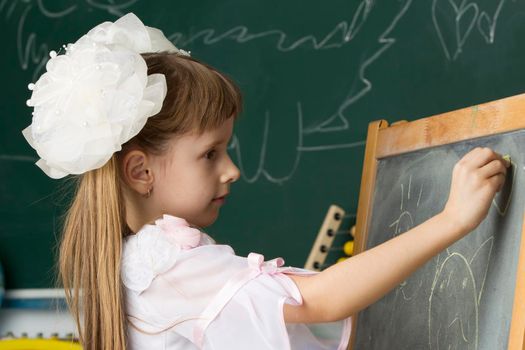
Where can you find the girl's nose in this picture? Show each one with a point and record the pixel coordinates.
(231, 173)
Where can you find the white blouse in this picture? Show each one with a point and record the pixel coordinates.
(183, 291)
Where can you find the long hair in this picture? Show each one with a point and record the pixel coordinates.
(198, 98)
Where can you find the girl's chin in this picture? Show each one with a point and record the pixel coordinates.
(206, 220)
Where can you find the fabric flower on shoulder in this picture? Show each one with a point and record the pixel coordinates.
(95, 97)
(179, 232)
(154, 249)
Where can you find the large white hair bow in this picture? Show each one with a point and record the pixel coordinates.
(96, 96)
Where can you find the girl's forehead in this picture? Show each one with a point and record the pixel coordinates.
(221, 134)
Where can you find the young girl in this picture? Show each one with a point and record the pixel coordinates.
(146, 128)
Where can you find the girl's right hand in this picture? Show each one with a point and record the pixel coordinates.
(475, 180)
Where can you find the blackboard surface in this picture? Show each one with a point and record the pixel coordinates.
(314, 74)
(462, 299)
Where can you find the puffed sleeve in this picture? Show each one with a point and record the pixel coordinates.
(253, 319)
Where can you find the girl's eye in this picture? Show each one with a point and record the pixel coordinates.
(211, 154)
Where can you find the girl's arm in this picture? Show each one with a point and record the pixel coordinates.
(348, 287)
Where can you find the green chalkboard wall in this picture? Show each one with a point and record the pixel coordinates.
(313, 74)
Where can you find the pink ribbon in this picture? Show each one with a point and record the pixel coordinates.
(256, 261)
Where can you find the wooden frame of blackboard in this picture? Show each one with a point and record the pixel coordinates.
(486, 119)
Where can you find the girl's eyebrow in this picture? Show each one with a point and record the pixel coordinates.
(216, 142)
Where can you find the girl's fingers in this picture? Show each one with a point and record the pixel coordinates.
(475, 155)
(497, 181)
(493, 168)
(479, 157)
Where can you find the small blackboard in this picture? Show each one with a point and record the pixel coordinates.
(470, 295)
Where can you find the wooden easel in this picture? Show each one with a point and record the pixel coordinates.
(483, 120)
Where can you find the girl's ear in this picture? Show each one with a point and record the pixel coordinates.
(136, 171)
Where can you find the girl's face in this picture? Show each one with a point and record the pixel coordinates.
(194, 177)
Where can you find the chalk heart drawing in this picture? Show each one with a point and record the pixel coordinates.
(453, 306)
(503, 198)
(464, 18)
(486, 27)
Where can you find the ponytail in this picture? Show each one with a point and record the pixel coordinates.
(90, 250)
(89, 261)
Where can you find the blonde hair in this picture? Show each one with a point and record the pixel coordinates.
(198, 98)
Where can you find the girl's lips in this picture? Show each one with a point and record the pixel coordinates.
(220, 200)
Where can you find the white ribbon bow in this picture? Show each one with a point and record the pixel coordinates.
(96, 96)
